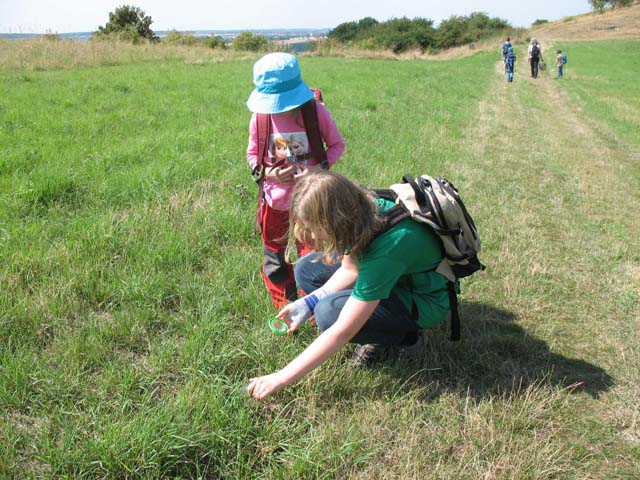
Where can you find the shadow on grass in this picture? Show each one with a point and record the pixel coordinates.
(496, 357)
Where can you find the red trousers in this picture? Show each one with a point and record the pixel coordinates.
(276, 272)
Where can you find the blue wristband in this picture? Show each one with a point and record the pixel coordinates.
(311, 300)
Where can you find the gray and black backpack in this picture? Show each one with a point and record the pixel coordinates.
(435, 202)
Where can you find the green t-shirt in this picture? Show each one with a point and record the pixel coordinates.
(407, 250)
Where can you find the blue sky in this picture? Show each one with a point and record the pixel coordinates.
(62, 16)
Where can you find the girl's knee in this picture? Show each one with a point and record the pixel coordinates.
(325, 314)
(302, 265)
(305, 272)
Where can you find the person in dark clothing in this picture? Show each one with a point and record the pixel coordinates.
(534, 55)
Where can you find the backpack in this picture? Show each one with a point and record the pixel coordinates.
(535, 51)
(316, 145)
(564, 59)
(436, 203)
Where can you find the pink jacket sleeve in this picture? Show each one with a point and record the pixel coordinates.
(252, 147)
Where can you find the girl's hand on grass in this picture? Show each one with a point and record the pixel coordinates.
(261, 387)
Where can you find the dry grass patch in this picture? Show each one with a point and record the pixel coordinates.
(42, 54)
(464, 438)
(616, 23)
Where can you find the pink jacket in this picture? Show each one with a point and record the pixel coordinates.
(291, 130)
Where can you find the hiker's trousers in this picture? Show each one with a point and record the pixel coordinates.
(389, 324)
(534, 67)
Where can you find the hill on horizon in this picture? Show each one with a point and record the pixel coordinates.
(621, 22)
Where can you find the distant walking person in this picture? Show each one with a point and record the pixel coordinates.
(509, 64)
(561, 59)
(534, 55)
(505, 48)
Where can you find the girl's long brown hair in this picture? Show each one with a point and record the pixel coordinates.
(334, 214)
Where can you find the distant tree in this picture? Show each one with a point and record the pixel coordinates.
(367, 23)
(249, 42)
(214, 42)
(539, 21)
(346, 32)
(452, 32)
(172, 36)
(423, 32)
(51, 37)
(128, 23)
(176, 38)
(402, 34)
(598, 5)
(461, 30)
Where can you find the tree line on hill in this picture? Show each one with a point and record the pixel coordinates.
(402, 34)
(131, 24)
(601, 5)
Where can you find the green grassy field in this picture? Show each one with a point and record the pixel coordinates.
(132, 309)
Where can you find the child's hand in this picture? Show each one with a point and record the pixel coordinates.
(285, 315)
(283, 174)
(261, 387)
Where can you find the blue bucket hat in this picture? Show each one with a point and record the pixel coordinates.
(279, 85)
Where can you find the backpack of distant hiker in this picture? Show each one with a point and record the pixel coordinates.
(316, 145)
(436, 203)
(564, 59)
(535, 51)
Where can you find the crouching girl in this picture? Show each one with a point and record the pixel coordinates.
(369, 285)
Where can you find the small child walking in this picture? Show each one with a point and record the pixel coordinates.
(561, 59)
(509, 64)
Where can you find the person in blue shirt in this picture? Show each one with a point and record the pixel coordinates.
(505, 48)
(509, 64)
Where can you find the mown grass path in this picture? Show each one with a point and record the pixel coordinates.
(566, 254)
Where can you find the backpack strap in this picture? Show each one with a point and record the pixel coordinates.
(310, 118)
(395, 214)
(455, 316)
(263, 126)
(419, 193)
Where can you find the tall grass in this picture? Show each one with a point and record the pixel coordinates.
(46, 54)
(132, 309)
